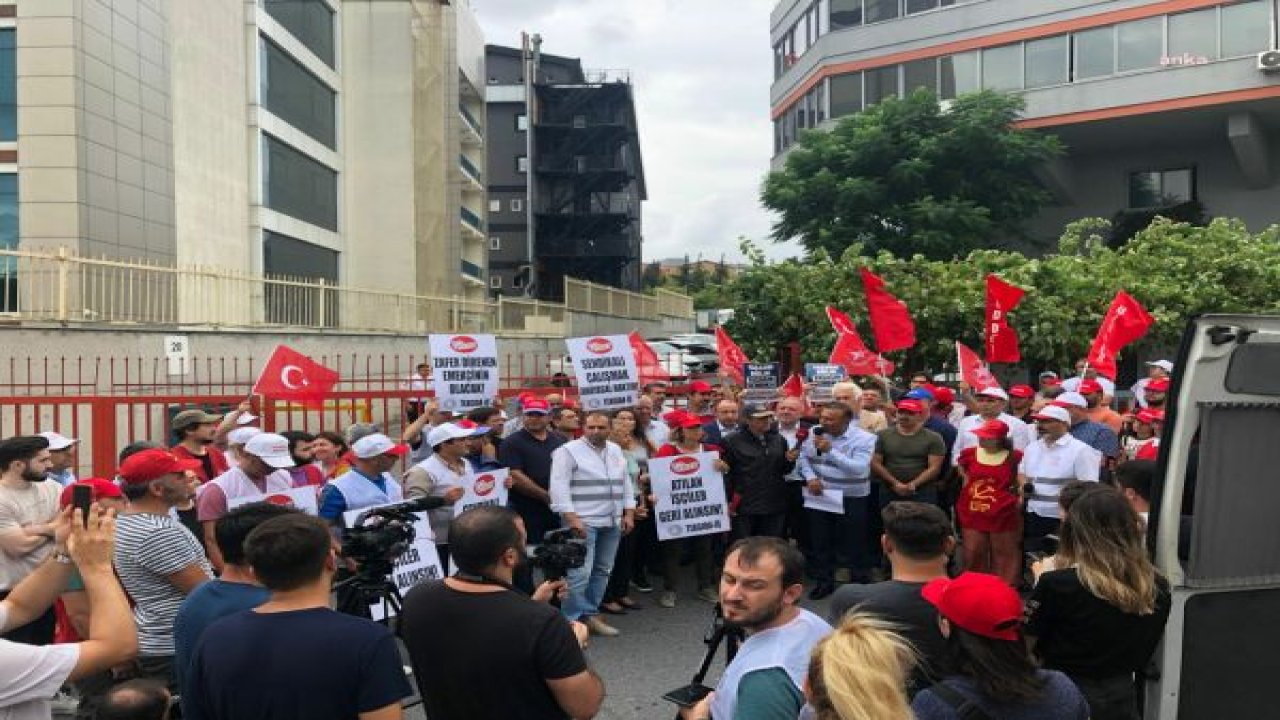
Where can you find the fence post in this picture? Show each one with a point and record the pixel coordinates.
(322, 317)
(102, 412)
(64, 269)
(268, 414)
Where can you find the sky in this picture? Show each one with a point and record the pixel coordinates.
(701, 71)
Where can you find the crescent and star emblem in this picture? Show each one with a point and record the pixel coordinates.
(301, 381)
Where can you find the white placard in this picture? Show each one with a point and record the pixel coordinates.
(464, 371)
(689, 495)
(302, 498)
(177, 354)
(831, 500)
(605, 367)
(481, 489)
(418, 564)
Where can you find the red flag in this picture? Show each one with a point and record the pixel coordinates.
(290, 375)
(890, 320)
(731, 356)
(850, 351)
(1126, 321)
(972, 370)
(1001, 339)
(647, 362)
(793, 387)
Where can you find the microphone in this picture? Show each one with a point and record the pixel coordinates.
(420, 504)
(817, 431)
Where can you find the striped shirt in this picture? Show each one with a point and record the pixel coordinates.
(1097, 436)
(149, 548)
(846, 466)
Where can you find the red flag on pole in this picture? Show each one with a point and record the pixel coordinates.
(647, 362)
(1001, 339)
(290, 375)
(1126, 320)
(850, 351)
(793, 387)
(731, 356)
(890, 320)
(972, 370)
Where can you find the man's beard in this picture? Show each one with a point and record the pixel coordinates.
(31, 476)
(763, 617)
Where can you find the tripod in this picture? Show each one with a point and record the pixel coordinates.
(720, 632)
(363, 591)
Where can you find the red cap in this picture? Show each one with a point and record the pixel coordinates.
(980, 603)
(700, 386)
(682, 419)
(1158, 385)
(1050, 381)
(992, 429)
(1022, 391)
(101, 489)
(1149, 416)
(942, 395)
(537, 406)
(1089, 387)
(911, 406)
(141, 468)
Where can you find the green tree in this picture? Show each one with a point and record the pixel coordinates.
(911, 178)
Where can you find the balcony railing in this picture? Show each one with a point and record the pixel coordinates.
(470, 170)
(470, 121)
(471, 220)
(472, 270)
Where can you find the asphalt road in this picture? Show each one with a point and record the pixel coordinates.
(659, 650)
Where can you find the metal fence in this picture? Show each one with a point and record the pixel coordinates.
(67, 288)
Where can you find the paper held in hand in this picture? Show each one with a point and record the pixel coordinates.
(690, 496)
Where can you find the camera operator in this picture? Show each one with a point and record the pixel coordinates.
(534, 667)
(759, 592)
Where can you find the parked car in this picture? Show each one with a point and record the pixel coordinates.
(699, 347)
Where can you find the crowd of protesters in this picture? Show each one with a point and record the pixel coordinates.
(178, 587)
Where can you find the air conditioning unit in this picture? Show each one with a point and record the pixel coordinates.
(1269, 61)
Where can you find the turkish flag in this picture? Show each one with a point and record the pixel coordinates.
(793, 387)
(891, 322)
(850, 351)
(731, 356)
(1125, 321)
(647, 362)
(290, 375)
(1000, 338)
(972, 370)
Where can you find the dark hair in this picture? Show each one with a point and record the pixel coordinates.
(842, 407)
(133, 492)
(1137, 475)
(138, 699)
(289, 551)
(1052, 391)
(296, 436)
(597, 413)
(1074, 490)
(482, 415)
(231, 529)
(335, 438)
(20, 449)
(419, 366)
(1003, 670)
(559, 412)
(751, 549)
(917, 530)
(649, 387)
(134, 448)
(921, 374)
(479, 537)
(637, 433)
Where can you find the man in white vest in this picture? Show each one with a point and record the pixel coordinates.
(759, 592)
(369, 481)
(592, 491)
(261, 471)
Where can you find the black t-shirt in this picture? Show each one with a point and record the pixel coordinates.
(902, 604)
(313, 664)
(523, 452)
(487, 656)
(1083, 635)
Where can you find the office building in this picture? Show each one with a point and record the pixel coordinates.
(1158, 103)
(575, 208)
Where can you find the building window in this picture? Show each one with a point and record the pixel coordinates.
(921, 74)
(845, 14)
(522, 164)
(1095, 53)
(880, 10)
(881, 83)
(495, 206)
(1047, 62)
(517, 205)
(8, 88)
(1002, 68)
(1139, 44)
(291, 304)
(522, 122)
(1192, 37)
(846, 94)
(1161, 188)
(495, 243)
(959, 75)
(311, 21)
(517, 282)
(8, 241)
(1246, 28)
(495, 282)
(296, 96)
(297, 185)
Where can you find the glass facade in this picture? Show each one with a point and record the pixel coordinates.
(1095, 53)
(1002, 67)
(1193, 36)
(296, 96)
(824, 16)
(921, 74)
(1047, 61)
(311, 21)
(1246, 28)
(958, 74)
(298, 186)
(846, 94)
(1161, 188)
(283, 256)
(8, 88)
(1139, 44)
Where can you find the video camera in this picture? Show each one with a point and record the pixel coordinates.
(559, 553)
(381, 535)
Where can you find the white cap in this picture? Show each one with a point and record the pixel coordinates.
(371, 446)
(448, 431)
(1074, 399)
(58, 441)
(1051, 412)
(245, 418)
(1165, 364)
(242, 435)
(271, 449)
(993, 391)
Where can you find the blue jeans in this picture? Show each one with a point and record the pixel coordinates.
(588, 583)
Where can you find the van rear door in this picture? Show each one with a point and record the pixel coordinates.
(1219, 482)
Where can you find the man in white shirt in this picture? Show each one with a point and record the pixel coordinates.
(445, 474)
(62, 457)
(1053, 460)
(991, 402)
(28, 511)
(261, 471)
(1084, 372)
(593, 493)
